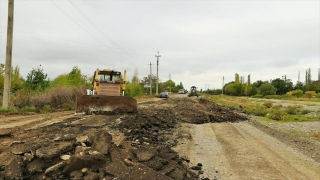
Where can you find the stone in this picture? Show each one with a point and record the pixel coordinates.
(54, 150)
(77, 162)
(37, 165)
(144, 154)
(82, 139)
(65, 157)
(101, 141)
(14, 170)
(55, 167)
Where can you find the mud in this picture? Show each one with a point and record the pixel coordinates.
(134, 146)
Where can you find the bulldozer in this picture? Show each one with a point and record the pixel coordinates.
(193, 91)
(106, 95)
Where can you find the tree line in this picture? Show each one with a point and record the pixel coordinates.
(278, 86)
(38, 93)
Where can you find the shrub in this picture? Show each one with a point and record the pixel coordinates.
(292, 110)
(276, 114)
(305, 111)
(268, 104)
(278, 106)
(28, 109)
(10, 110)
(257, 110)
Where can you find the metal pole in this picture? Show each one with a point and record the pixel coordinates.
(7, 79)
(157, 72)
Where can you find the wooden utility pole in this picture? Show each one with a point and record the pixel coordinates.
(157, 56)
(150, 81)
(7, 75)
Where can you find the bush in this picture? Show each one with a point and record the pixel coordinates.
(55, 98)
(257, 110)
(28, 109)
(278, 106)
(268, 104)
(10, 110)
(276, 114)
(292, 110)
(305, 111)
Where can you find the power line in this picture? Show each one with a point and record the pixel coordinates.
(85, 29)
(98, 28)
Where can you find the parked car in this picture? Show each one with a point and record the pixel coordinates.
(181, 91)
(164, 95)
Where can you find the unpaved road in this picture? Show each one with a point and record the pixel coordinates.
(241, 151)
(216, 140)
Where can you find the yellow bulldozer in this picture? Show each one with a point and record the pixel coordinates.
(106, 95)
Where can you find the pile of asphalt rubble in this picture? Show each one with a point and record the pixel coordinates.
(74, 151)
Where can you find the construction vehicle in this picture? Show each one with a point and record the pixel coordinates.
(106, 95)
(193, 91)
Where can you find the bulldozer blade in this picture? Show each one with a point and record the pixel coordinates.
(101, 104)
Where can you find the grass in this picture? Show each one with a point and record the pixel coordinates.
(267, 108)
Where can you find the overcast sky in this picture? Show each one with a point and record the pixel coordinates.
(199, 41)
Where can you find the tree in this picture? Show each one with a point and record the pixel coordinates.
(180, 86)
(310, 94)
(17, 81)
(135, 79)
(297, 92)
(234, 89)
(73, 78)
(133, 89)
(37, 80)
(299, 85)
(267, 89)
(282, 85)
(168, 85)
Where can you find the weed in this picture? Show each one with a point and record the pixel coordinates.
(316, 135)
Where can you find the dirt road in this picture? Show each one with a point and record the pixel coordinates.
(175, 138)
(241, 151)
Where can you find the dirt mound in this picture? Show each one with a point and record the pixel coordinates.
(108, 147)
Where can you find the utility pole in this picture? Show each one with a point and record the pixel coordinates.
(205, 87)
(157, 72)
(150, 82)
(170, 82)
(222, 84)
(7, 79)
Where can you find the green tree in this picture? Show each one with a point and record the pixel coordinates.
(73, 78)
(297, 93)
(234, 89)
(37, 80)
(17, 81)
(282, 85)
(180, 86)
(133, 89)
(267, 89)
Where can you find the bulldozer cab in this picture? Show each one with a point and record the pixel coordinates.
(108, 82)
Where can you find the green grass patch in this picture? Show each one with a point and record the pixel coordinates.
(10, 110)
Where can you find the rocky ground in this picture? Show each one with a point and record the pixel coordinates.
(134, 146)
